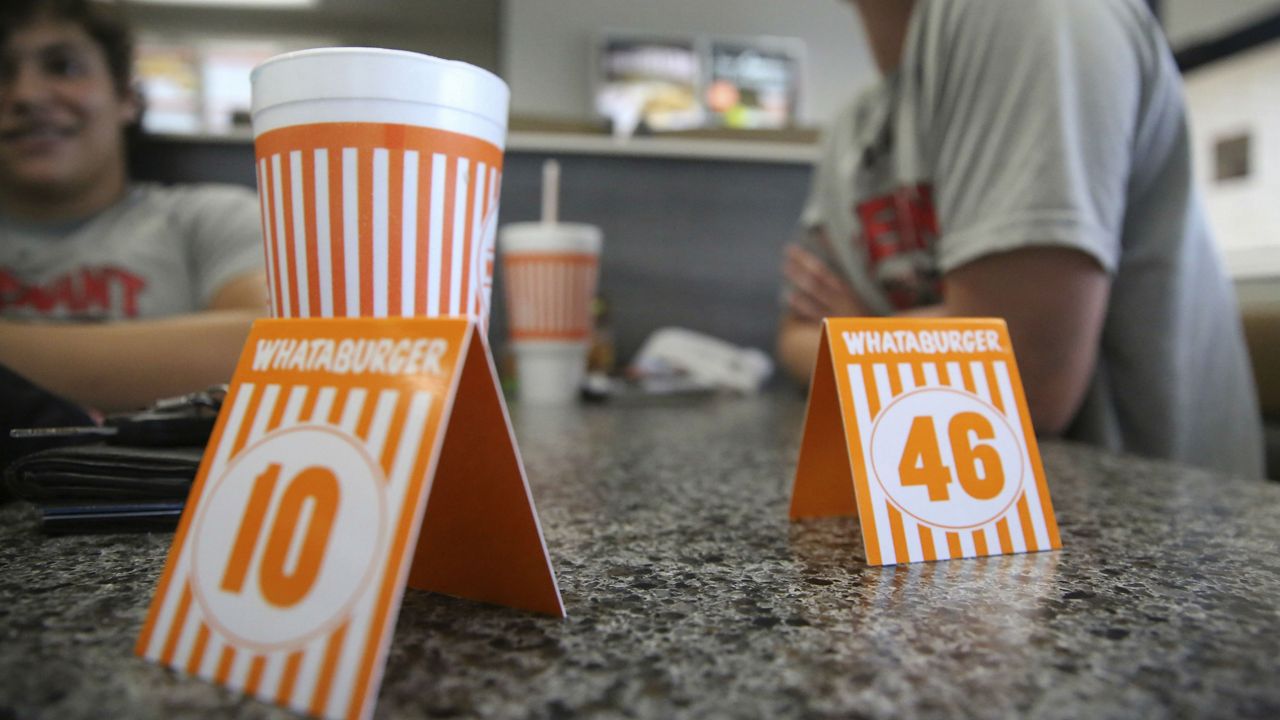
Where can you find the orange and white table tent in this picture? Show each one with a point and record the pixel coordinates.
(351, 457)
(921, 429)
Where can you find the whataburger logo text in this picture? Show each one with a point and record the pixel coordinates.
(927, 342)
(352, 356)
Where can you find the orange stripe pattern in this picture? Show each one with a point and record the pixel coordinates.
(378, 220)
(549, 294)
(909, 539)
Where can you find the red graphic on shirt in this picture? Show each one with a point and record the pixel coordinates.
(900, 229)
(103, 291)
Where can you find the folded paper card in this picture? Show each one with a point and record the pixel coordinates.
(920, 428)
(351, 457)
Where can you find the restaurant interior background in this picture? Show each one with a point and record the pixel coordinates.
(694, 221)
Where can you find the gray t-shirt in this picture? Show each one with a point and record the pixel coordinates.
(159, 251)
(1017, 123)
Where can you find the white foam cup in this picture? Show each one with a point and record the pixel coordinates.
(549, 372)
(378, 176)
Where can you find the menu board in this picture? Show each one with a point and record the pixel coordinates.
(201, 85)
(225, 83)
(753, 83)
(645, 83)
(170, 77)
(649, 83)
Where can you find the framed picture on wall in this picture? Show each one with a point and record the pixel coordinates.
(1231, 157)
(754, 83)
(652, 83)
(170, 78)
(648, 83)
(199, 85)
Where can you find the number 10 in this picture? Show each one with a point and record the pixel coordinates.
(279, 586)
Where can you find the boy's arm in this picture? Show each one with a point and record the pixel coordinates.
(128, 365)
(1053, 298)
(813, 292)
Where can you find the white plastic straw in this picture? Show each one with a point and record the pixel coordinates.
(550, 192)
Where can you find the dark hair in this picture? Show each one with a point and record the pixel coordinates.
(103, 21)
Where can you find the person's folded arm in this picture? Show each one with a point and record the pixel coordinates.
(797, 348)
(1054, 300)
(129, 364)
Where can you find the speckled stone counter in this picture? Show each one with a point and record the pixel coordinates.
(691, 595)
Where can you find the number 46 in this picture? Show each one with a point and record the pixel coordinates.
(922, 458)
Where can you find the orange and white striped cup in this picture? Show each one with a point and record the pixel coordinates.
(550, 272)
(378, 177)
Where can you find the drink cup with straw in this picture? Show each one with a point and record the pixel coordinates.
(551, 270)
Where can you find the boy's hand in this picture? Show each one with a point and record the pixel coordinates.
(816, 291)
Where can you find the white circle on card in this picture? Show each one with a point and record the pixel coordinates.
(288, 537)
(947, 458)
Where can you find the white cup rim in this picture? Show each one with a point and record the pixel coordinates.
(540, 237)
(366, 73)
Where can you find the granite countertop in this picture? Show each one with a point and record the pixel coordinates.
(690, 594)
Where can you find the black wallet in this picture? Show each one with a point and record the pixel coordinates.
(106, 488)
(133, 472)
(101, 472)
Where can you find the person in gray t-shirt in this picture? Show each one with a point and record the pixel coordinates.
(112, 294)
(1029, 159)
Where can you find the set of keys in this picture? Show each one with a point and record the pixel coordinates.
(186, 420)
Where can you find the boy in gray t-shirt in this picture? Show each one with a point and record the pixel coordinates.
(158, 252)
(1029, 159)
(112, 294)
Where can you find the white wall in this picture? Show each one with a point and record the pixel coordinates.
(458, 29)
(1241, 94)
(1189, 21)
(545, 45)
